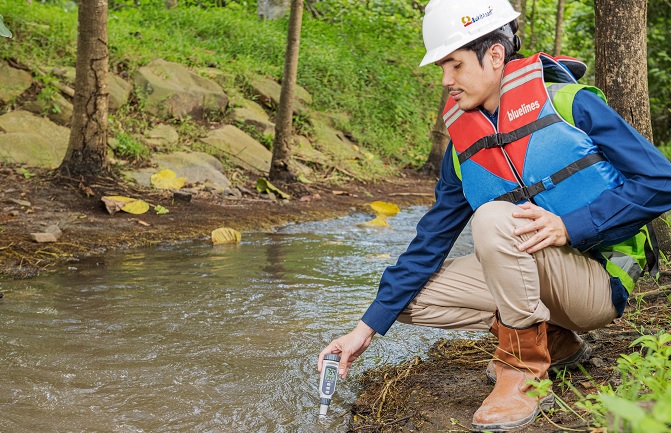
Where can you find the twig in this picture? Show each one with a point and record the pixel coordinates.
(423, 194)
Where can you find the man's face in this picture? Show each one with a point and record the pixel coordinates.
(471, 84)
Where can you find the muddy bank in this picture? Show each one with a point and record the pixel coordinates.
(30, 203)
(441, 393)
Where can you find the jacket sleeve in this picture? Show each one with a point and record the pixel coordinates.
(436, 233)
(618, 214)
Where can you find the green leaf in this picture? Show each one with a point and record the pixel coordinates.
(160, 210)
(4, 31)
(262, 185)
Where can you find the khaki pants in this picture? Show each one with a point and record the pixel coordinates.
(557, 284)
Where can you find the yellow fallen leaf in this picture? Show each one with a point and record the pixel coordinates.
(384, 208)
(115, 203)
(136, 207)
(167, 179)
(379, 222)
(226, 235)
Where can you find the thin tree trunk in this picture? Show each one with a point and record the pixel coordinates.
(558, 26)
(87, 149)
(280, 166)
(522, 21)
(532, 30)
(439, 139)
(621, 59)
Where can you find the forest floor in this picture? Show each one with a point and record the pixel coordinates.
(436, 394)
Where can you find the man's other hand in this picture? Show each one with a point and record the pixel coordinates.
(545, 229)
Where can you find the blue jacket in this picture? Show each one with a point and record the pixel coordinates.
(615, 215)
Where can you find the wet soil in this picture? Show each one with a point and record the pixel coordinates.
(31, 201)
(437, 394)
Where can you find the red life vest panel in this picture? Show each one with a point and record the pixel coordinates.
(535, 154)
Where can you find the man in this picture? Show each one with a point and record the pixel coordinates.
(559, 188)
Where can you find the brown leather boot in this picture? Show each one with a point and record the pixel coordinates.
(522, 355)
(567, 349)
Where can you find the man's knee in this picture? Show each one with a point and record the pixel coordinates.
(493, 221)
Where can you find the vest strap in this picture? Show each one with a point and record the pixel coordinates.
(652, 251)
(526, 192)
(501, 139)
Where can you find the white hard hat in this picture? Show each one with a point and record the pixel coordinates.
(450, 24)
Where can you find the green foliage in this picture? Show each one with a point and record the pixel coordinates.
(642, 403)
(128, 147)
(357, 59)
(659, 70)
(48, 94)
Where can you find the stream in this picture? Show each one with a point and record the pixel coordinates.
(196, 338)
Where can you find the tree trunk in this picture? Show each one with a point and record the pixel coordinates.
(558, 27)
(439, 139)
(273, 9)
(622, 69)
(280, 166)
(532, 30)
(87, 149)
(521, 7)
(621, 59)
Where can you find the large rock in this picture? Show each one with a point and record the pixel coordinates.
(252, 114)
(268, 92)
(161, 137)
(241, 148)
(13, 81)
(173, 91)
(119, 91)
(32, 140)
(58, 109)
(196, 167)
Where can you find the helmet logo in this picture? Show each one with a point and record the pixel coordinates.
(467, 21)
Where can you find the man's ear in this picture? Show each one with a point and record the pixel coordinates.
(498, 53)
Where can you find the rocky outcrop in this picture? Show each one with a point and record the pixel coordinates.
(13, 82)
(32, 140)
(161, 137)
(242, 149)
(268, 92)
(170, 90)
(197, 167)
(252, 114)
(119, 91)
(57, 108)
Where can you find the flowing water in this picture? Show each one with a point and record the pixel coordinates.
(195, 338)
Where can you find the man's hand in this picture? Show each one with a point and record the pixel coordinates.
(546, 229)
(349, 347)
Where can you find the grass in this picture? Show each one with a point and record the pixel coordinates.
(365, 72)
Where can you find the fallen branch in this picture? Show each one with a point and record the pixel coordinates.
(422, 194)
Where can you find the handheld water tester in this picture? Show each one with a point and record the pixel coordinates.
(327, 382)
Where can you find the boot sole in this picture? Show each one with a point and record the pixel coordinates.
(544, 405)
(581, 355)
